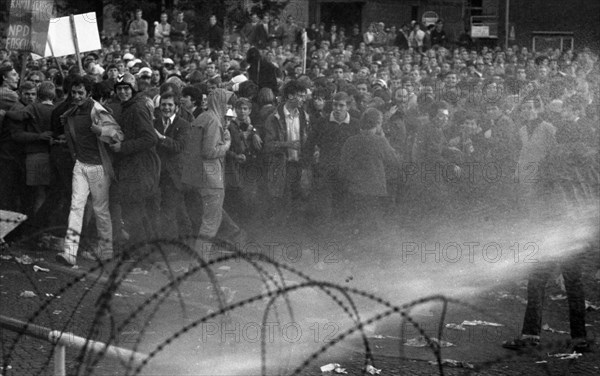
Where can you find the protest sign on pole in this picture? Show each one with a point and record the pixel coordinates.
(28, 25)
(62, 35)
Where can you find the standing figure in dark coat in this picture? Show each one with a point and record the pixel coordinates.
(215, 34)
(137, 166)
(173, 133)
(263, 73)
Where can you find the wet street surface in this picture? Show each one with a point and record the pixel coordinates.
(301, 297)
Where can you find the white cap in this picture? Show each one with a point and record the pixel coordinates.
(145, 70)
(166, 60)
(128, 56)
(555, 106)
(133, 62)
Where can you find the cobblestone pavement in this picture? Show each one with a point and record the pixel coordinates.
(387, 266)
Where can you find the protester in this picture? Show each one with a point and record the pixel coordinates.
(91, 176)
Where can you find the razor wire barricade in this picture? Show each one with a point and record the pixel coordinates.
(272, 275)
(62, 340)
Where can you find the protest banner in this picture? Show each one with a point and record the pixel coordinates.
(28, 25)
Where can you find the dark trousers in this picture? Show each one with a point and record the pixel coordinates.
(366, 212)
(12, 184)
(175, 219)
(536, 288)
(140, 218)
(57, 205)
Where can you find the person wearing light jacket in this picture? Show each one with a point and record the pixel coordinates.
(207, 147)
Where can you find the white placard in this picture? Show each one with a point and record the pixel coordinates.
(482, 31)
(59, 34)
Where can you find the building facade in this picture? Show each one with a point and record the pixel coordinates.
(531, 23)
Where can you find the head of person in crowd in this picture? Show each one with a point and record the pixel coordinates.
(248, 89)
(191, 98)
(164, 18)
(468, 122)
(530, 109)
(401, 97)
(102, 92)
(36, 77)
(265, 97)
(28, 92)
(46, 91)
(179, 16)
(371, 121)
(439, 114)
(9, 77)
(493, 110)
(294, 95)
(81, 89)
(112, 72)
(243, 109)
(169, 105)
(363, 86)
(318, 98)
(340, 104)
(145, 74)
(217, 103)
(125, 87)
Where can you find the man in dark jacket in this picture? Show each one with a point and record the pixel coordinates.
(329, 135)
(137, 165)
(173, 133)
(286, 130)
(215, 34)
(402, 38)
(11, 172)
(260, 33)
(261, 72)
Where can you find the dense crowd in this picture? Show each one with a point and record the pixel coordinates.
(161, 133)
(161, 137)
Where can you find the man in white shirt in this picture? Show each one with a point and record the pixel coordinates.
(286, 130)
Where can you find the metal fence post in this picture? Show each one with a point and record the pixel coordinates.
(59, 361)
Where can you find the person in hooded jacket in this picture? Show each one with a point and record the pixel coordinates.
(207, 147)
(137, 165)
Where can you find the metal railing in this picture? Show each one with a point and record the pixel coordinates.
(62, 340)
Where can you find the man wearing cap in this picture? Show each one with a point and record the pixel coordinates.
(137, 165)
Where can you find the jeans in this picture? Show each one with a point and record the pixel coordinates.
(89, 179)
(536, 288)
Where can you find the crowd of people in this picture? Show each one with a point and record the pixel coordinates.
(163, 137)
(160, 133)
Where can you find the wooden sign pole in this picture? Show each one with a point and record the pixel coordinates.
(23, 66)
(76, 42)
